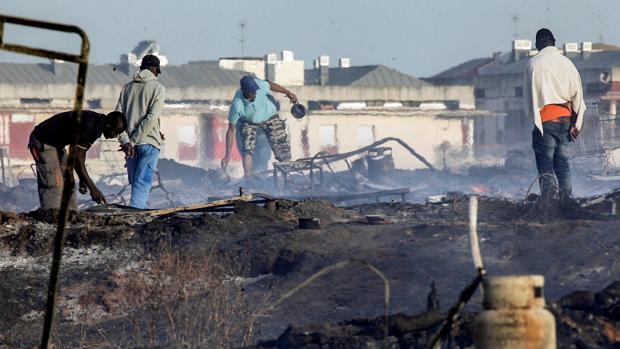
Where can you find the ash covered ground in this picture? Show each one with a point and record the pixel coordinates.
(207, 280)
(180, 184)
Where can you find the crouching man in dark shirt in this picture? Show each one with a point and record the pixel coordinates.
(47, 146)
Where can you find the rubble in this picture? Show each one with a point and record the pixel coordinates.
(256, 254)
(584, 320)
(179, 185)
(23, 197)
(589, 319)
(183, 277)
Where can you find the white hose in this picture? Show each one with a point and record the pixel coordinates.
(473, 233)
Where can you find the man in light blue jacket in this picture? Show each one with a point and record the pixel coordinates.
(142, 102)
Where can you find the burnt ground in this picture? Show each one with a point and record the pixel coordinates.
(186, 185)
(138, 282)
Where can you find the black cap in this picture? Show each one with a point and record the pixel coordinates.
(150, 61)
(544, 35)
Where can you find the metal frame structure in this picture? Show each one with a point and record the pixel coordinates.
(82, 60)
(316, 163)
(600, 137)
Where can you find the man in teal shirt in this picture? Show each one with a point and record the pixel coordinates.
(253, 107)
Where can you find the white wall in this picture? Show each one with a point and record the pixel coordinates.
(254, 66)
(425, 132)
(287, 73)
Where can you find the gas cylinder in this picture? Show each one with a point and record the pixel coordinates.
(380, 163)
(515, 317)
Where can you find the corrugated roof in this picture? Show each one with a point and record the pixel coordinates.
(368, 75)
(503, 65)
(205, 74)
(186, 75)
(463, 70)
(605, 47)
(596, 60)
(497, 67)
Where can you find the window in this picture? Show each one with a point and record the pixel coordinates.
(35, 100)
(94, 104)
(327, 138)
(365, 135)
(519, 91)
(596, 88)
(187, 142)
(479, 93)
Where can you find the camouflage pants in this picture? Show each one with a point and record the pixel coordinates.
(275, 130)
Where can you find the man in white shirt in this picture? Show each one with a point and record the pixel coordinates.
(554, 98)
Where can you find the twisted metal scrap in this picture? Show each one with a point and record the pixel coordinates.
(328, 158)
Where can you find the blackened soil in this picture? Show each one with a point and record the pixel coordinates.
(584, 320)
(424, 243)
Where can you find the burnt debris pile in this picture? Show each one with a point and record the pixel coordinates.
(19, 198)
(124, 274)
(584, 320)
(589, 319)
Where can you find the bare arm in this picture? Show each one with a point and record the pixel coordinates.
(277, 88)
(80, 168)
(230, 138)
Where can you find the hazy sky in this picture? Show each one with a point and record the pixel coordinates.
(419, 37)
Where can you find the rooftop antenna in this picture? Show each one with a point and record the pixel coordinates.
(515, 23)
(242, 40)
(600, 25)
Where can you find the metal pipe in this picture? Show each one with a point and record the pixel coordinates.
(469, 291)
(63, 215)
(42, 24)
(336, 157)
(454, 312)
(3, 155)
(82, 60)
(473, 234)
(40, 52)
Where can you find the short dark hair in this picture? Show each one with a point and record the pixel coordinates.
(150, 61)
(545, 36)
(116, 116)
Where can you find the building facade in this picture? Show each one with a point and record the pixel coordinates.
(198, 95)
(498, 87)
